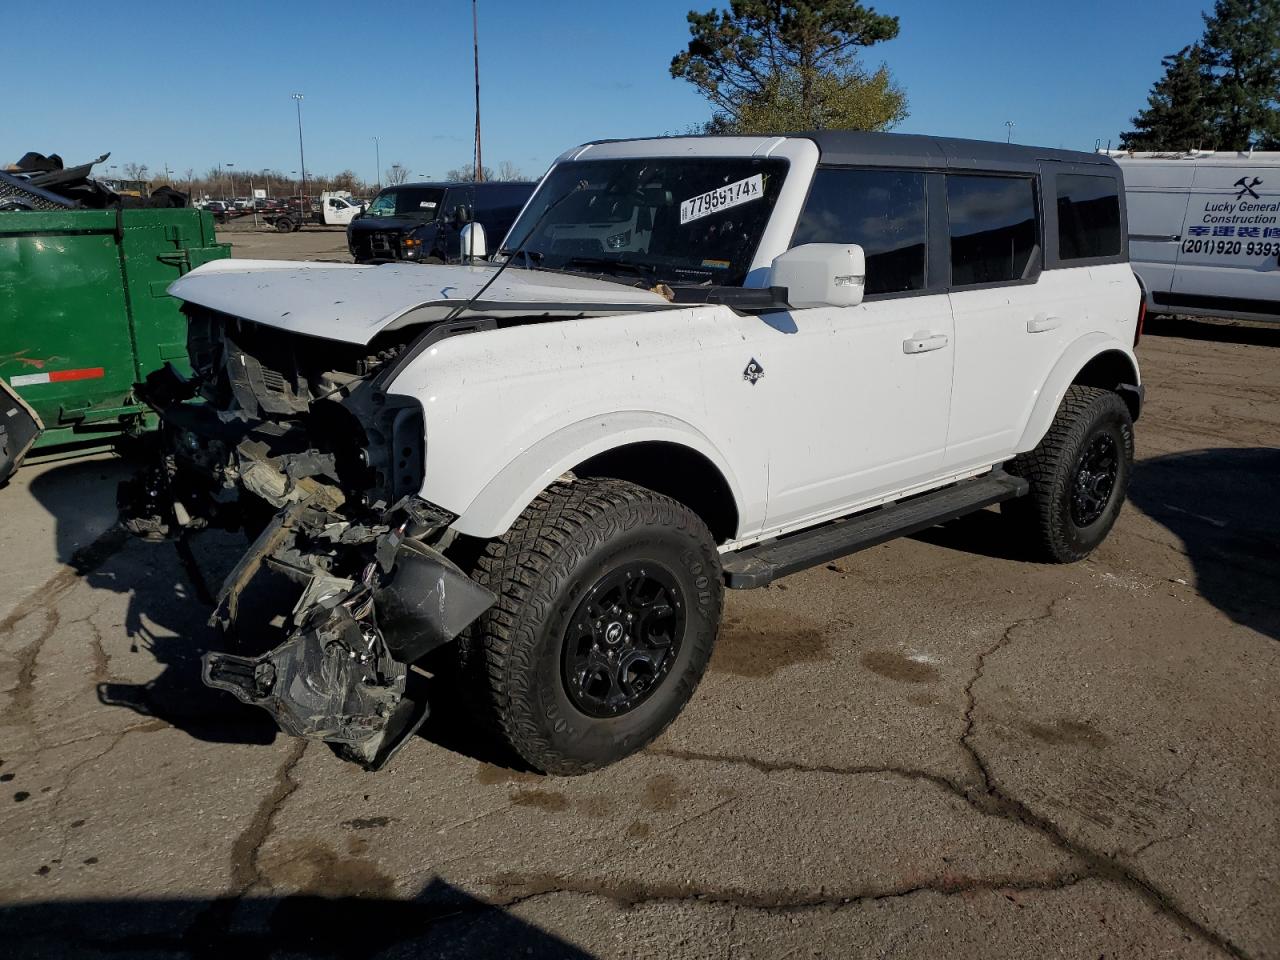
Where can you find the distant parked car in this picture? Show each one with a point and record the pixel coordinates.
(423, 221)
(220, 209)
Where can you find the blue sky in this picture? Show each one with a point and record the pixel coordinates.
(194, 85)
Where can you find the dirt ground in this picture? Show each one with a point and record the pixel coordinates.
(933, 748)
(309, 243)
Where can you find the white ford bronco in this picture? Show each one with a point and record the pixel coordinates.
(693, 363)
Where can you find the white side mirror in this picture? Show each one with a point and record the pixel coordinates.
(474, 245)
(822, 275)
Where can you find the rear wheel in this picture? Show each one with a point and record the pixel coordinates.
(609, 599)
(1079, 474)
(284, 225)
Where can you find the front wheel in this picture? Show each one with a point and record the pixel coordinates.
(609, 600)
(1079, 474)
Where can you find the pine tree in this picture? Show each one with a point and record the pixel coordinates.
(1180, 112)
(1242, 47)
(769, 65)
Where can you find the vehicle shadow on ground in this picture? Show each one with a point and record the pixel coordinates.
(440, 921)
(983, 533)
(80, 496)
(1190, 328)
(166, 618)
(1220, 503)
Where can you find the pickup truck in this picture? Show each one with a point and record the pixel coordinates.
(694, 363)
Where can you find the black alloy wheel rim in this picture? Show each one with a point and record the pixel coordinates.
(1095, 479)
(623, 639)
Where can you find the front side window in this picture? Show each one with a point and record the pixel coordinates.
(686, 220)
(417, 203)
(883, 211)
(994, 234)
(1088, 216)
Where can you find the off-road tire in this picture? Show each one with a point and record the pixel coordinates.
(1042, 520)
(569, 538)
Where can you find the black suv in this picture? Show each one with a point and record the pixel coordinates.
(422, 221)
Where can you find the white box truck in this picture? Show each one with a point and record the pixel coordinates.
(1204, 231)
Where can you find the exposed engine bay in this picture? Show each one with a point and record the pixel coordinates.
(294, 439)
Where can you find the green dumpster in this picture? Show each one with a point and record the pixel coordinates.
(84, 314)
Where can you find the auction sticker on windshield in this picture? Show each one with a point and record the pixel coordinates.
(722, 198)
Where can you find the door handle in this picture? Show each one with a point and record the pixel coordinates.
(923, 342)
(1043, 324)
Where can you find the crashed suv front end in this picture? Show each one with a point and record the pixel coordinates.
(291, 430)
(296, 436)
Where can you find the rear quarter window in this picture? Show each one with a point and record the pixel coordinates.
(1088, 216)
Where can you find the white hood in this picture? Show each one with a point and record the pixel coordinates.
(353, 303)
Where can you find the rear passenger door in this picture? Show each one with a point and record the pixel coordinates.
(1008, 333)
(863, 392)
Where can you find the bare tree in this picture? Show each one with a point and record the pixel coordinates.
(345, 180)
(135, 171)
(396, 175)
(467, 172)
(510, 172)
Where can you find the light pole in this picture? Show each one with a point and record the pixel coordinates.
(302, 159)
(477, 174)
(1010, 124)
(231, 175)
(377, 155)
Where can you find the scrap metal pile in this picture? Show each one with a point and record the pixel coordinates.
(37, 182)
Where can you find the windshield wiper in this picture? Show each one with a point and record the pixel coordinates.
(608, 263)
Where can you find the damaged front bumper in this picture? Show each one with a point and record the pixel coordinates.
(355, 590)
(342, 673)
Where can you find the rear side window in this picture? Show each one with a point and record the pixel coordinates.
(994, 236)
(502, 201)
(1088, 216)
(881, 210)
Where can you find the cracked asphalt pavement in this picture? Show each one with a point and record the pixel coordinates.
(930, 748)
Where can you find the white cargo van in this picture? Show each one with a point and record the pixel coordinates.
(1204, 231)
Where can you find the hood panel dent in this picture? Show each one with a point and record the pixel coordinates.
(351, 303)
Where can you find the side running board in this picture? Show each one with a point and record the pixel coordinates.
(763, 563)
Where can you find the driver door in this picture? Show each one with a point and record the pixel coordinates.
(861, 395)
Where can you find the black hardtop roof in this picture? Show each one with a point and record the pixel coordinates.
(858, 146)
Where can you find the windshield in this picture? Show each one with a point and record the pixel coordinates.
(695, 220)
(421, 203)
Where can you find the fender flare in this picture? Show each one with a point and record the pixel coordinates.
(493, 510)
(1074, 359)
